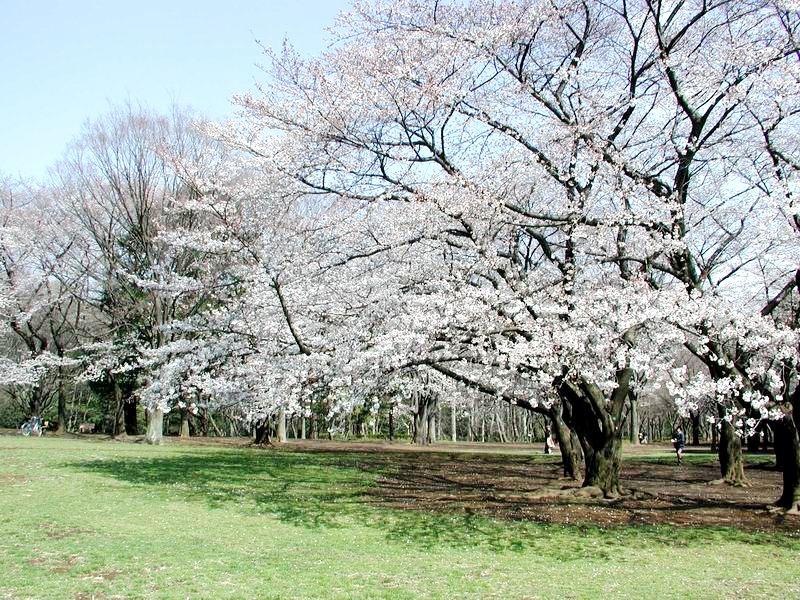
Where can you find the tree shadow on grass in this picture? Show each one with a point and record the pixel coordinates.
(297, 488)
(332, 490)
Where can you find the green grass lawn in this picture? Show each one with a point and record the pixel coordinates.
(89, 519)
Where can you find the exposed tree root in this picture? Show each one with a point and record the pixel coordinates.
(589, 492)
(784, 510)
(742, 483)
(264, 444)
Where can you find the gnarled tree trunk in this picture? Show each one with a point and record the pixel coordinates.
(424, 419)
(598, 423)
(603, 462)
(731, 460)
(262, 432)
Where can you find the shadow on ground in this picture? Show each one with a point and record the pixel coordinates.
(447, 499)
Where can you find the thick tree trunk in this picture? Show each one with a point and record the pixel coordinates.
(155, 426)
(282, 425)
(603, 466)
(567, 440)
(498, 420)
(788, 437)
(184, 433)
(781, 445)
(35, 403)
(731, 460)
(303, 427)
(391, 422)
(425, 420)
(576, 445)
(204, 422)
(262, 432)
(131, 417)
(598, 422)
(695, 428)
(421, 423)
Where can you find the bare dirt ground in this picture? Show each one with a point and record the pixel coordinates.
(502, 481)
(674, 495)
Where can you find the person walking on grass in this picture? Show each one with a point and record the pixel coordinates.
(679, 442)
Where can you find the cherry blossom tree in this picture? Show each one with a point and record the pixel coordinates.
(123, 182)
(539, 200)
(37, 306)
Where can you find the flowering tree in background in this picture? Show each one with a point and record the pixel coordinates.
(123, 183)
(37, 303)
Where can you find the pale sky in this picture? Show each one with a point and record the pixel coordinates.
(64, 61)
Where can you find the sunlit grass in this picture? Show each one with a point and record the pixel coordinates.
(82, 519)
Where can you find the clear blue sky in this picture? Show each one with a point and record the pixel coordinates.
(64, 61)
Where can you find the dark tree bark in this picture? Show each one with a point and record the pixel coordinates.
(787, 438)
(568, 444)
(433, 411)
(262, 433)
(754, 442)
(696, 426)
(118, 428)
(35, 402)
(598, 423)
(781, 446)
(603, 466)
(131, 417)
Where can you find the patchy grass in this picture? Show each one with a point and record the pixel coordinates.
(697, 456)
(86, 519)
